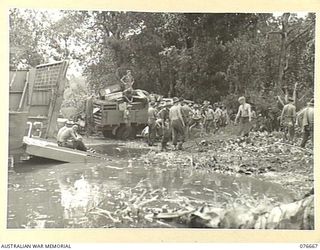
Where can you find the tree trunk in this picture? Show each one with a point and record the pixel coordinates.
(160, 75)
(171, 86)
(171, 80)
(283, 50)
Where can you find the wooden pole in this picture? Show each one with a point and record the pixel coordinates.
(24, 92)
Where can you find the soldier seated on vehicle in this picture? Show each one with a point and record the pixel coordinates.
(127, 80)
(128, 95)
(69, 138)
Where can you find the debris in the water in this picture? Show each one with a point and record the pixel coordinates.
(37, 189)
(113, 167)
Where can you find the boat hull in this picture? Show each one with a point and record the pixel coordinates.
(17, 130)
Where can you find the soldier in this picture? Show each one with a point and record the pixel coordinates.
(205, 104)
(254, 118)
(287, 120)
(244, 113)
(209, 118)
(126, 115)
(217, 117)
(225, 116)
(152, 117)
(177, 124)
(186, 113)
(196, 117)
(166, 132)
(127, 81)
(69, 138)
(307, 123)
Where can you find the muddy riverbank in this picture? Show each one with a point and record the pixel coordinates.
(138, 182)
(261, 155)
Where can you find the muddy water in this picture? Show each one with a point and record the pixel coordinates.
(43, 194)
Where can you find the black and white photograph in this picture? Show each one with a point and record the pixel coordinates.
(132, 119)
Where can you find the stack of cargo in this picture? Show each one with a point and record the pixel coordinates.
(108, 111)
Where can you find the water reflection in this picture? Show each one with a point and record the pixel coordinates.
(63, 195)
(74, 197)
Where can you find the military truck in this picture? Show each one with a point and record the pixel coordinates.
(108, 113)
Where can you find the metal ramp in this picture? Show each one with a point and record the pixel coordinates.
(46, 95)
(50, 150)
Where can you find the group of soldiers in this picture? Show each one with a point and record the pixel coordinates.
(304, 119)
(175, 120)
(289, 120)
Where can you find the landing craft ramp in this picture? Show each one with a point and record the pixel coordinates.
(50, 150)
(35, 96)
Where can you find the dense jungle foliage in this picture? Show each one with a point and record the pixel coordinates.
(200, 56)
